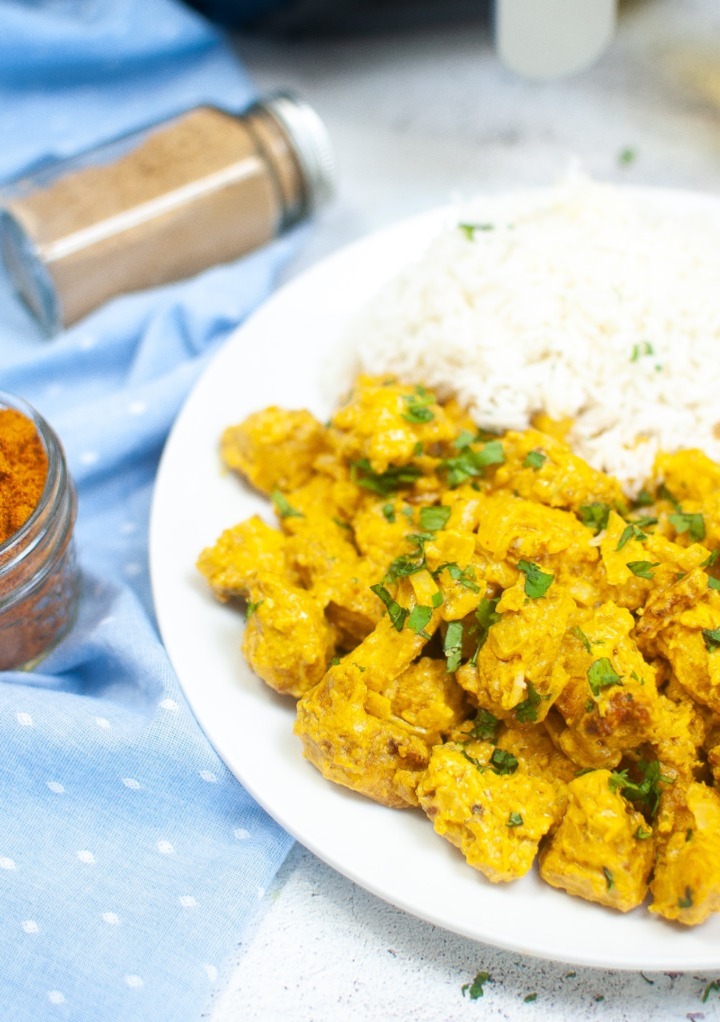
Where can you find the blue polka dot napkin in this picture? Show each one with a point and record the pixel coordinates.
(130, 859)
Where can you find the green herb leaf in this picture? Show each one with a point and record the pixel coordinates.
(486, 616)
(713, 583)
(710, 559)
(534, 459)
(712, 638)
(712, 987)
(582, 637)
(284, 509)
(464, 439)
(631, 531)
(693, 524)
(601, 675)
(643, 348)
(644, 499)
(515, 820)
(527, 711)
(342, 524)
(434, 518)
(452, 645)
(251, 607)
(393, 479)
(470, 463)
(647, 791)
(396, 613)
(595, 516)
(608, 878)
(465, 576)
(665, 494)
(389, 511)
(402, 567)
(475, 989)
(503, 762)
(529, 998)
(687, 899)
(469, 229)
(419, 617)
(643, 569)
(642, 835)
(537, 582)
(417, 410)
(484, 726)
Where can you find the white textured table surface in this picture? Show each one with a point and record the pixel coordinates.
(417, 118)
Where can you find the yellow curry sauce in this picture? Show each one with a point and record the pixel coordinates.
(486, 628)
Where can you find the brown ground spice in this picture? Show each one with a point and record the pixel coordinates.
(23, 470)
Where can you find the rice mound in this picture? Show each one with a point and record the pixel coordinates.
(585, 300)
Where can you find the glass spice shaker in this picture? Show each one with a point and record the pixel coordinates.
(162, 204)
(39, 578)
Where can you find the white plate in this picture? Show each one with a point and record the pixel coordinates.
(275, 358)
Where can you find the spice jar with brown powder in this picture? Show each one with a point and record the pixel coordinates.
(39, 580)
(161, 205)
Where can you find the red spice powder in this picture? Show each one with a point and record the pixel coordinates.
(23, 470)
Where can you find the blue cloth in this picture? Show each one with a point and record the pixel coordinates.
(130, 859)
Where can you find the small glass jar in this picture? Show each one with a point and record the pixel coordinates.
(39, 578)
(162, 204)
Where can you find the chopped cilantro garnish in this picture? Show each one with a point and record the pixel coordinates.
(283, 508)
(595, 516)
(484, 726)
(452, 645)
(396, 613)
(537, 582)
(469, 229)
(503, 762)
(608, 878)
(437, 599)
(643, 348)
(417, 410)
(710, 559)
(394, 478)
(644, 498)
(434, 518)
(389, 511)
(626, 156)
(631, 531)
(643, 569)
(475, 989)
(602, 675)
(647, 791)
(665, 494)
(527, 711)
(465, 576)
(687, 899)
(534, 459)
(712, 987)
(712, 638)
(642, 835)
(343, 525)
(713, 583)
(693, 524)
(470, 463)
(464, 439)
(401, 567)
(486, 616)
(251, 607)
(515, 820)
(529, 998)
(582, 637)
(419, 617)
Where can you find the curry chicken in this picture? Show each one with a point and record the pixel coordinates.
(484, 628)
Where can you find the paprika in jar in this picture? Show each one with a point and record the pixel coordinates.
(39, 580)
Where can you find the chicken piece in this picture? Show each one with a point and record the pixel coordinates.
(538, 754)
(428, 698)
(513, 529)
(688, 474)
(689, 642)
(686, 881)
(239, 554)
(602, 850)
(541, 468)
(666, 604)
(346, 722)
(380, 529)
(384, 421)
(287, 641)
(483, 802)
(678, 732)
(274, 449)
(610, 700)
(517, 673)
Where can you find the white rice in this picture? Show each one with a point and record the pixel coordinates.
(585, 300)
